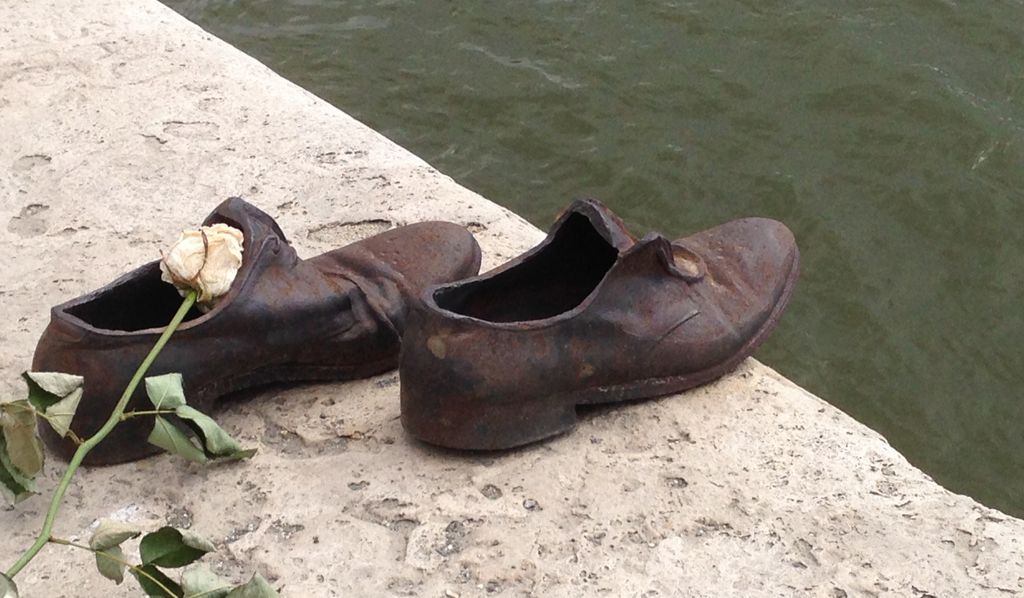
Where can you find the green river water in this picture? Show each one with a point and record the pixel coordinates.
(888, 136)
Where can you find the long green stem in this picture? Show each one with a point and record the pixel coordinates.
(130, 414)
(88, 445)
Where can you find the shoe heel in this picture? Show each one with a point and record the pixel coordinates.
(481, 424)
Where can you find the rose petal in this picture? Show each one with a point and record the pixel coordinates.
(205, 260)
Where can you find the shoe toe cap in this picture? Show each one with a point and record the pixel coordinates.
(427, 253)
(752, 260)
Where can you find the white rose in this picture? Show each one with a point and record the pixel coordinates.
(205, 260)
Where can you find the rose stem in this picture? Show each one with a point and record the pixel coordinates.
(88, 445)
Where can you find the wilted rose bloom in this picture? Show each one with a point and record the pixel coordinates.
(209, 266)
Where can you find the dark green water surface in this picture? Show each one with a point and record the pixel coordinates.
(889, 136)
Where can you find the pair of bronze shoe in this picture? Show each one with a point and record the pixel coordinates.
(591, 315)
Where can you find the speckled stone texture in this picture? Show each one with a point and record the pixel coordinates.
(122, 123)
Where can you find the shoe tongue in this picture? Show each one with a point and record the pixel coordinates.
(611, 228)
(254, 223)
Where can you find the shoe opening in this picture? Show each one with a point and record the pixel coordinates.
(140, 302)
(552, 281)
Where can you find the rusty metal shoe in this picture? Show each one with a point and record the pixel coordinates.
(337, 316)
(589, 316)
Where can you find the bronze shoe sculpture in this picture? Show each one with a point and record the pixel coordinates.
(337, 316)
(589, 316)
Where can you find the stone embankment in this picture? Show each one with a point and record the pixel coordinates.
(123, 123)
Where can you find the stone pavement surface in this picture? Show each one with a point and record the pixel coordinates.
(122, 123)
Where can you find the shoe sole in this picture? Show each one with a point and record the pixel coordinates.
(506, 427)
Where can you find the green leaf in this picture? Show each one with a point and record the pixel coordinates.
(60, 414)
(110, 534)
(173, 440)
(18, 420)
(57, 395)
(165, 392)
(203, 581)
(196, 541)
(216, 441)
(110, 563)
(7, 587)
(14, 484)
(50, 387)
(168, 547)
(14, 491)
(257, 587)
(151, 589)
(240, 455)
